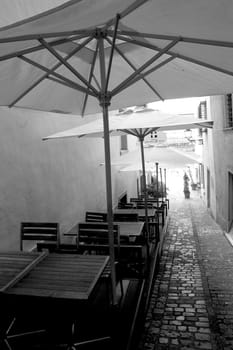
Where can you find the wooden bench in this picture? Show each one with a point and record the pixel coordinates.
(48, 232)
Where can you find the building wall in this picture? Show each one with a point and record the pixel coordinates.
(209, 164)
(55, 180)
(219, 160)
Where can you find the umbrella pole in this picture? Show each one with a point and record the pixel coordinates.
(141, 138)
(165, 184)
(157, 183)
(104, 104)
(161, 179)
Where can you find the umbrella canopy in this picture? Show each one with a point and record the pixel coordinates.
(85, 56)
(60, 52)
(166, 157)
(138, 124)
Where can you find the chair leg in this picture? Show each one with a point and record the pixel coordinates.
(74, 345)
(122, 288)
(6, 336)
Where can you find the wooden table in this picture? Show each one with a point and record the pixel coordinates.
(127, 228)
(63, 276)
(130, 228)
(14, 264)
(52, 289)
(140, 212)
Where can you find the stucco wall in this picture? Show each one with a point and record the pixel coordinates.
(223, 161)
(56, 180)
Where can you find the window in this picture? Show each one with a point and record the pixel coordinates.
(202, 114)
(202, 110)
(153, 135)
(229, 121)
(124, 143)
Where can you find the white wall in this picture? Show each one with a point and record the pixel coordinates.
(223, 161)
(56, 180)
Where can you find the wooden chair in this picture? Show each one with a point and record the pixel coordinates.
(47, 232)
(141, 205)
(92, 216)
(94, 237)
(125, 217)
(125, 205)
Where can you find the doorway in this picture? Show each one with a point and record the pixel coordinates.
(208, 188)
(230, 200)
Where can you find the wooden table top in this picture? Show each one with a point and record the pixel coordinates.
(12, 264)
(130, 228)
(140, 212)
(127, 228)
(68, 276)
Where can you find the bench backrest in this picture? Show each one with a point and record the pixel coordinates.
(125, 217)
(92, 216)
(39, 231)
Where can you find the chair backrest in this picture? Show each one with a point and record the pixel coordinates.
(135, 200)
(125, 205)
(141, 205)
(92, 216)
(96, 235)
(39, 231)
(125, 217)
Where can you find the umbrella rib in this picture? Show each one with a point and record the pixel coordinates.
(59, 76)
(69, 85)
(176, 55)
(134, 68)
(139, 77)
(201, 63)
(126, 11)
(130, 131)
(67, 65)
(45, 35)
(121, 86)
(47, 74)
(90, 78)
(112, 52)
(221, 43)
(39, 47)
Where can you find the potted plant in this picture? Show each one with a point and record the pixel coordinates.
(157, 191)
(194, 186)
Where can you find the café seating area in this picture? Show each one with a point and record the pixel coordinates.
(70, 273)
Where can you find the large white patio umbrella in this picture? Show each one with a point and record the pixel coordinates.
(138, 124)
(84, 56)
(167, 156)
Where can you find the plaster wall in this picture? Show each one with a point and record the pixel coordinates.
(223, 162)
(56, 180)
(209, 163)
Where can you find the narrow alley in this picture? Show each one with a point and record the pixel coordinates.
(191, 305)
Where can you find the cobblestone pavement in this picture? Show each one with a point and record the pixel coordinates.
(192, 305)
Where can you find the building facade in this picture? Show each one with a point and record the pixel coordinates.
(217, 184)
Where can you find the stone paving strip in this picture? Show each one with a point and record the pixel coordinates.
(216, 261)
(178, 317)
